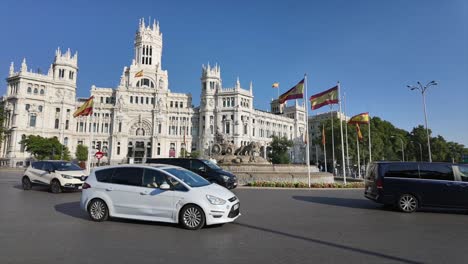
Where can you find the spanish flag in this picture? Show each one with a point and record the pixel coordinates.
(139, 74)
(294, 93)
(327, 97)
(362, 118)
(323, 135)
(86, 109)
(275, 85)
(358, 130)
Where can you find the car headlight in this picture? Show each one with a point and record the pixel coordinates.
(226, 178)
(67, 176)
(215, 200)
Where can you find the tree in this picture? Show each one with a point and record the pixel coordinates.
(45, 148)
(195, 154)
(279, 150)
(183, 153)
(81, 153)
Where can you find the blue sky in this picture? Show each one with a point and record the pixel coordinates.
(374, 48)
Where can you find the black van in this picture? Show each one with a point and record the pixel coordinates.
(202, 167)
(409, 185)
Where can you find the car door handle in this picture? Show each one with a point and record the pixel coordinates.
(109, 189)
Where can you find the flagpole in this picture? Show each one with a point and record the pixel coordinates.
(333, 140)
(342, 145)
(324, 148)
(307, 128)
(358, 157)
(346, 132)
(370, 144)
(90, 147)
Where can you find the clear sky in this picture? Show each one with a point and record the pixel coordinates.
(374, 48)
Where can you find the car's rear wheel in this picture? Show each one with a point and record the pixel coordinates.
(407, 203)
(98, 210)
(192, 217)
(26, 183)
(55, 186)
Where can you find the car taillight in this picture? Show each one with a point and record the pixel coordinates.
(86, 186)
(379, 183)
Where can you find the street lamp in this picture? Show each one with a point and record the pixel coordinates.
(420, 149)
(402, 149)
(423, 89)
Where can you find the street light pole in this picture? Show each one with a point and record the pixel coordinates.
(420, 149)
(402, 149)
(423, 89)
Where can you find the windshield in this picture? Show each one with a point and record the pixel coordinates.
(211, 165)
(65, 166)
(188, 177)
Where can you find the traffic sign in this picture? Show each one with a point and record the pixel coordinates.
(99, 155)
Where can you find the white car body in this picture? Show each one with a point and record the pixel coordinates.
(155, 204)
(40, 175)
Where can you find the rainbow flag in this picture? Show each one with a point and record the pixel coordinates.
(362, 118)
(294, 93)
(327, 97)
(86, 109)
(139, 74)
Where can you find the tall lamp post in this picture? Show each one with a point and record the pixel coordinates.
(402, 149)
(423, 89)
(420, 149)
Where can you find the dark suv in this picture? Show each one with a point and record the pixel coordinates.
(202, 167)
(409, 185)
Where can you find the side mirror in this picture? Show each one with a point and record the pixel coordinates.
(202, 169)
(49, 171)
(165, 186)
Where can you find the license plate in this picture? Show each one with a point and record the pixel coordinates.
(236, 206)
(80, 187)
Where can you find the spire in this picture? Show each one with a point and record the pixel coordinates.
(251, 87)
(51, 70)
(12, 68)
(237, 83)
(24, 67)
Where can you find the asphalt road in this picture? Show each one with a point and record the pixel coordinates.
(276, 226)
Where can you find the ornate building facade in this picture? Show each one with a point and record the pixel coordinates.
(141, 117)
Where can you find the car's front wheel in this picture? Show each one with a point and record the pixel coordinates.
(26, 183)
(55, 186)
(407, 203)
(98, 210)
(192, 217)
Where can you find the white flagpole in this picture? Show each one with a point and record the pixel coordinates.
(324, 149)
(358, 157)
(346, 132)
(333, 140)
(370, 144)
(307, 128)
(342, 145)
(90, 147)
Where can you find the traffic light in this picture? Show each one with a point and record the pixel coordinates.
(98, 145)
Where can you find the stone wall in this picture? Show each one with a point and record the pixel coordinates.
(277, 173)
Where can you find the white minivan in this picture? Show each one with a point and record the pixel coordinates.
(157, 192)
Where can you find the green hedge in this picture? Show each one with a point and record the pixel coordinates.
(304, 185)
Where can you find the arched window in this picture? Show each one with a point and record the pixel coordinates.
(40, 108)
(140, 132)
(42, 92)
(29, 90)
(35, 91)
(56, 123)
(145, 83)
(65, 141)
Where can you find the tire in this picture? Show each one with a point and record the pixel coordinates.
(98, 210)
(26, 183)
(55, 186)
(407, 203)
(192, 217)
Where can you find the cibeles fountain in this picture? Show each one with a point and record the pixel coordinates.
(249, 164)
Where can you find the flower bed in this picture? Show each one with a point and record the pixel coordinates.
(304, 185)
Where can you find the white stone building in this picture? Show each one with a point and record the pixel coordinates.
(141, 117)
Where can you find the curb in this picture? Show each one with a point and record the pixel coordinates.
(289, 188)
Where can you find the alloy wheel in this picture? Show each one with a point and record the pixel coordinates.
(193, 218)
(98, 210)
(408, 203)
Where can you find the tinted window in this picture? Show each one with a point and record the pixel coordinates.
(36, 165)
(128, 176)
(210, 164)
(190, 178)
(196, 165)
(47, 166)
(436, 172)
(65, 166)
(402, 170)
(463, 172)
(104, 175)
(153, 178)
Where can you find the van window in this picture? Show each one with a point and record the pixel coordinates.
(197, 165)
(128, 176)
(463, 172)
(402, 170)
(37, 165)
(104, 175)
(436, 171)
(153, 178)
